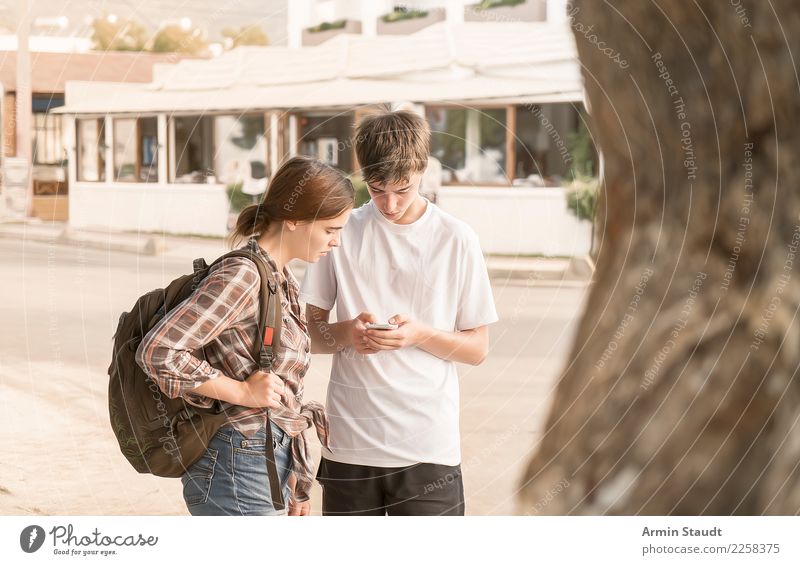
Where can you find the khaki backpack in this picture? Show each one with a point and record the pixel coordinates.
(164, 436)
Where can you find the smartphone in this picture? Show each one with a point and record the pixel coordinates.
(382, 326)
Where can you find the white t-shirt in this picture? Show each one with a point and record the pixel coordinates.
(398, 408)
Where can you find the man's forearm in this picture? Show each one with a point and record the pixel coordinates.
(469, 346)
(328, 337)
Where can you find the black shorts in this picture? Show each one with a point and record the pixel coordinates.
(423, 489)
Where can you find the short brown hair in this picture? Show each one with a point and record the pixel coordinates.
(392, 145)
(303, 189)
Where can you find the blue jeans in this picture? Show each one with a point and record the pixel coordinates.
(230, 479)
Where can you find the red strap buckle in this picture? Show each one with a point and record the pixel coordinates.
(268, 335)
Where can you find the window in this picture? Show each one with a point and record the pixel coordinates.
(241, 148)
(490, 153)
(136, 150)
(125, 150)
(47, 142)
(470, 143)
(543, 131)
(148, 149)
(91, 150)
(328, 138)
(48, 147)
(194, 149)
(448, 135)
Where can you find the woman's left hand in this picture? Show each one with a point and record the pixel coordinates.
(299, 508)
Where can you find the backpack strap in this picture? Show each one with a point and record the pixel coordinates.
(270, 325)
(269, 331)
(270, 310)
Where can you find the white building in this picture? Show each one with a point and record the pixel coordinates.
(378, 17)
(501, 99)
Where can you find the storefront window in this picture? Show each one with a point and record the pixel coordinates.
(194, 149)
(136, 150)
(241, 149)
(125, 150)
(448, 139)
(490, 154)
(543, 131)
(148, 149)
(329, 138)
(47, 141)
(48, 148)
(90, 147)
(470, 144)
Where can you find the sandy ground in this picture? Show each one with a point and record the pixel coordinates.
(64, 457)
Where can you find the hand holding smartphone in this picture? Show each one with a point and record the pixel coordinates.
(382, 326)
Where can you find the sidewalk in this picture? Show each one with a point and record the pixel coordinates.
(533, 270)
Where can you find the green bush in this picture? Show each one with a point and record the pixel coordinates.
(581, 151)
(325, 26)
(175, 39)
(119, 35)
(362, 194)
(245, 35)
(582, 197)
(399, 14)
(237, 199)
(489, 4)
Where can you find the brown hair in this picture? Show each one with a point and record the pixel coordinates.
(303, 189)
(392, 146)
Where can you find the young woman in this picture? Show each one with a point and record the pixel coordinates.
(301, 217)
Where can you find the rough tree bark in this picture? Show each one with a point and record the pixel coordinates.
(682, 395)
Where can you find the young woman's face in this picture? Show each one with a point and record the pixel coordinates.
(395, 199)
(316, 238)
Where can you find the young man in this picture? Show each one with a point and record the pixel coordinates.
(393, 398)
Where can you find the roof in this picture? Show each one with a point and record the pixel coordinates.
(473, 61)
(50, 71)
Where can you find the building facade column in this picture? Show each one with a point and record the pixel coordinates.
(108, 151)
(163, 146)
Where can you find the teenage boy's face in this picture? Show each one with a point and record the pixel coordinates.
(395, 199)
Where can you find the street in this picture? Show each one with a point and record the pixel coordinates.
(60, 308)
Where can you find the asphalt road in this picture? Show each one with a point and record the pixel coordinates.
(60, 306)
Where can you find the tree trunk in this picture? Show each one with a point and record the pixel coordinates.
(682, 395)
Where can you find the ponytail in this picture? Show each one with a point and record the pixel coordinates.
(254, 219)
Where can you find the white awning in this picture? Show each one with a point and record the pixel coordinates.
(477, 61)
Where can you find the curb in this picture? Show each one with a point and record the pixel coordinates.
(151, 246)
(577, 270)
(525, 274)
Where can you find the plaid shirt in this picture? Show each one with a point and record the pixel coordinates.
(222, 316)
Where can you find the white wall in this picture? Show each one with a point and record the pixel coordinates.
(519, 221)
(508, 221)
(299, 14)
(48, 44)
(557, 11)
(178, 209)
